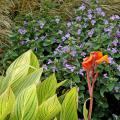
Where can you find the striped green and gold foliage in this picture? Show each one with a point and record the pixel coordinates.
(24, 97)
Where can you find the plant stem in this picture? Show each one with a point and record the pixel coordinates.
(90, 108)
(88, 82)
(91, 95)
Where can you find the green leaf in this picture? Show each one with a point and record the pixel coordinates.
(33, 62)
(103, 90)
(22, 66)
(69, 106)
(85, 111)
(28, 80)
(26, 105)
(47, 88)
(61, 98)
(1, 78)
(1, 83)
(61, 83)
(55, 118)
(49, 108)
(23, 60)
(23, 72)
(7, 100)
(4, 83)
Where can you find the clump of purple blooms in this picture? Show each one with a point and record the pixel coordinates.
(22, 31)
(73, 39)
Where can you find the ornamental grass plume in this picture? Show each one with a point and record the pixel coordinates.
(90, 64)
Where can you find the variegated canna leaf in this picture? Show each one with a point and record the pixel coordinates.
(26, 105)
(69, 106)
(49, 108)
(7, 100)
(32, 78)
(47, 88)
(85, 111)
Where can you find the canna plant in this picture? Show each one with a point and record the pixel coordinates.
(24, 97)
(90, 65)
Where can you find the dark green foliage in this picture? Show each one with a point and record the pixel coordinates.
(61, 46)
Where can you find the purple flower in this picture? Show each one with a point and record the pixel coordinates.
(55, 52)
(70, 67)
(103, 14)
(45, 67)
(41, 23)
(42, 37)
(69, 24)
(73, 53)
(108, 49)
(25, 23)
(115, 17)
(57, 20)
(60, 32)
(105, 22)
(107, 29)
(54, 69)
(85, 25)
(117, 89)
(85, 19)
(82, 7)
(64, 61)
(114, 50)
(89, 11)
(49, 61)
(67, 35)
(63, 38)
(118, 68)
(105, 75)
(36, 37)
(111, 60)
(81, 72)
(81, 45)
(93, 22)
(58, 50)
(78, 18)
(91, 32)
(59, 46)
(99, 10)
(115, 42)
(97, 1)
(55, 40)
(79, 31)
(90, 16)
(118, 34)
(83, 54)
(23, 42)
(22, 31)
(66, 49)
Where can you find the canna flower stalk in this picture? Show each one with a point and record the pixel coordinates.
(90, 64)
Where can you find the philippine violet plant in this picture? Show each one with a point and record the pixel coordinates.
(90, 64)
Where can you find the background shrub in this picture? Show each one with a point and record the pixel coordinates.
(61, 45)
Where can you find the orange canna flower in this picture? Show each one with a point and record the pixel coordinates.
(97, 55)
(103, 59)
(87, 63)
(94, 59)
